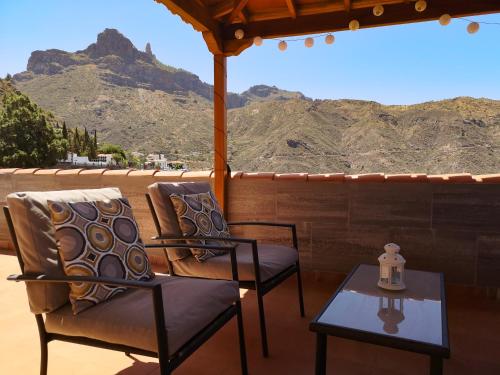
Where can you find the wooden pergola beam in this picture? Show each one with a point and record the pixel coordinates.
(192, 12)
(220, 129)
(337, 21)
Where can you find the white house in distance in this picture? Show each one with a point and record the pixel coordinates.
(102, 160)
(159, 161)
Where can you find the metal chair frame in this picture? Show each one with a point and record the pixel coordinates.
(168, 363)
(261, 287)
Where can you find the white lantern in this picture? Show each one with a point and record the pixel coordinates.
(257, 41)
(309, 42)
(239, 34)
(392, 266)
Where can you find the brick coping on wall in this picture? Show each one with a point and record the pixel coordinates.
(332, 177)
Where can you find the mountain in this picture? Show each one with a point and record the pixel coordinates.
(133, 99)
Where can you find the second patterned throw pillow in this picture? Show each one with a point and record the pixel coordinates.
(98, 239)
(200, 215)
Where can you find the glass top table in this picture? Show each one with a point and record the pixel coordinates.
(413, 319)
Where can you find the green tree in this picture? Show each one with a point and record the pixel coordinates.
(28, 137)
(119, 155)
(86, 141)
(77, 142)
(65, 131)
(95, 139)
(92, 151)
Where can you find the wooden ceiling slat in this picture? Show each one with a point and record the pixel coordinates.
(337, 21)
(291, 8)
(238, 8)
(222, 8)
(347, 5)
(317, 8)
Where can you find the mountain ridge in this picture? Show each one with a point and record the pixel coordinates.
(130, 67)
(133, 99)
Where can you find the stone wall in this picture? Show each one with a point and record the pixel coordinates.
(447, 223)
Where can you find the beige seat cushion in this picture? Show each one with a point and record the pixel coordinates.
(128, 319)
(272, 258)
(167, 218)
(37, 244)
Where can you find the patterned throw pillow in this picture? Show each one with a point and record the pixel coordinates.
(98, 239)
(200, 215)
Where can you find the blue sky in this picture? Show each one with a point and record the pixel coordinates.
(392, 65)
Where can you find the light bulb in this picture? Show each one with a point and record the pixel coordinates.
(282, 46)
(473, 28)
(354, 25)
(420, 5)
(378, 10)
(309, 42)
(239, 34)
(445, 19)
(329, 39)
(257, 41)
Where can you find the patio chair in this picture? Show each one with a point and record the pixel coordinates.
(168, 317)
(261, 267)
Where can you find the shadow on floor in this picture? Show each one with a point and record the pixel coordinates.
(139, 367)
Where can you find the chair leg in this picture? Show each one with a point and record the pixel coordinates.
(301, 294)
(243, 351)
(44, 350)
(262, 319)
(44, 357)
(164, 368)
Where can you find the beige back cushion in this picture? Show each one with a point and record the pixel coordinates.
(37, 244)
(169, 224)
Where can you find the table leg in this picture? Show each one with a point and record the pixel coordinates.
(436, 365)
(320, 354)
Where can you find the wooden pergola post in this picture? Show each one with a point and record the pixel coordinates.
(220, 129)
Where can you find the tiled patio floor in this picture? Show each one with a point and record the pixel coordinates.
(474, 323)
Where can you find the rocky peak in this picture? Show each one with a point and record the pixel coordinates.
(112, 42)
(148, 49)
(260, 92)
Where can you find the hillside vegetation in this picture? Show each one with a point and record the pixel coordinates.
(136, 101)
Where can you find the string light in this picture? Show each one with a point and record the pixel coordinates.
(329, 39)
(445, 19)
(378, 10)
(257, 41)
(239, 34)
(354, 25)
(309, 42)
(473, 28)
(420, 5)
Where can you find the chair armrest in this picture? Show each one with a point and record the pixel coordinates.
(42, 278)
(270, 224)
(230, 239)
(231, 249)
(153, 286)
